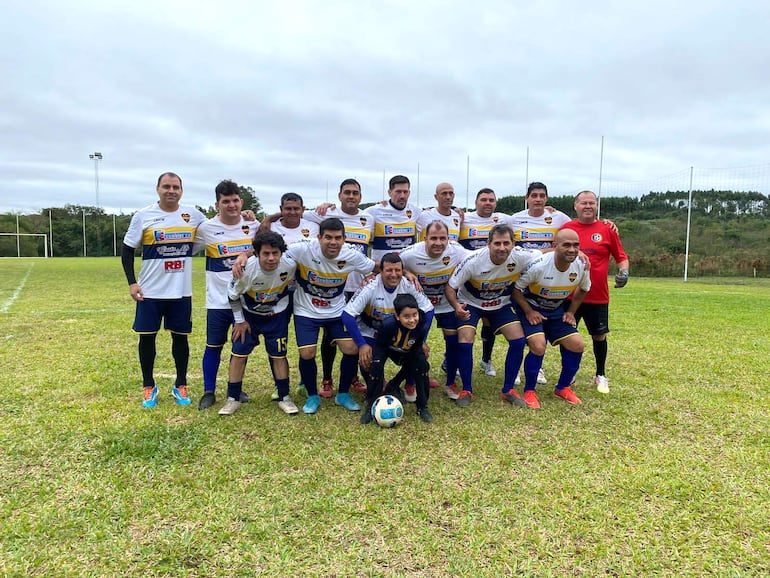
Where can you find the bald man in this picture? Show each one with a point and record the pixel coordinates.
(443, 211)
(541, 299)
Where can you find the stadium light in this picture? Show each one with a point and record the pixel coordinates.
(96, 157)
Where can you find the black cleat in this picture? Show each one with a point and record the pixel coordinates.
(207, 400)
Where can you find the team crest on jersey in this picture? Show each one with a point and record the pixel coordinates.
(305, 232)
(456, 222)
(510, 267)
(341, 264)
(362, 220)
(186, 217)
(283, 276)
(409, 213)
(494, 219)
(410, 342)
(446, 260)
(596, 237)
(548, 220)
(245, 229)
(572, 277)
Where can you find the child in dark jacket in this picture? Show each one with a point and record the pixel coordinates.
(402, 338)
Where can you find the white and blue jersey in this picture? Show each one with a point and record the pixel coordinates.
(222, 243)
(167, 240)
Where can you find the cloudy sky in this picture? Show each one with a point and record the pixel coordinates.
(297, 95)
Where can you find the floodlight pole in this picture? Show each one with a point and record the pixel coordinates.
(96, 157)
(687, 241)
(467, 183)
(418, 184)
(84, 233)
(526, 179)
(599, 193)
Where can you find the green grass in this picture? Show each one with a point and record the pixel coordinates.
(668, 475)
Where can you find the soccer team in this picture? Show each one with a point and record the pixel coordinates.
(530, 277)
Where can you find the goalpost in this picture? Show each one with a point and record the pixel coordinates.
(18, 241)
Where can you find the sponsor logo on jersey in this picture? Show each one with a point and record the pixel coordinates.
(245, 229)
(496, 286)
(534, 235)
(317, 279)
(596, 237)
(393, 230)
(176, 265)
(554, 293)
(433, 279)
(163, 236)
(478, 233)
(186, 217)
(223, 249)
(352, 236)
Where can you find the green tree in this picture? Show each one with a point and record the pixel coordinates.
(250, 200)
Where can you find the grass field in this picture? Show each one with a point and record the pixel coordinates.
(668, 475)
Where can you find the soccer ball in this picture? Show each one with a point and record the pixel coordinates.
(387, 411)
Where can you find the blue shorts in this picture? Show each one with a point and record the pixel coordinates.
(306, 330)
(274, 328)
(554, 329)
(176, 315)
(498, 318)
(218, 325)
(447, 321)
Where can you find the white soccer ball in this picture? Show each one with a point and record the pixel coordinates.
(387, 411)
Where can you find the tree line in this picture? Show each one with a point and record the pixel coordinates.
(730, 231)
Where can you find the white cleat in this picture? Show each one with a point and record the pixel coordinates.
(231, 406)
(288, 406)
(602, 384)
(488, 368)
(541, 377)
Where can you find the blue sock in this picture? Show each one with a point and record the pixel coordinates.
(308, 372)
(451, 355)
(465, 363)
(570, 363)
(532, 365)
(212, 356)
(513, 361)
(234, 389)
(283, 387)
(348, 368)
